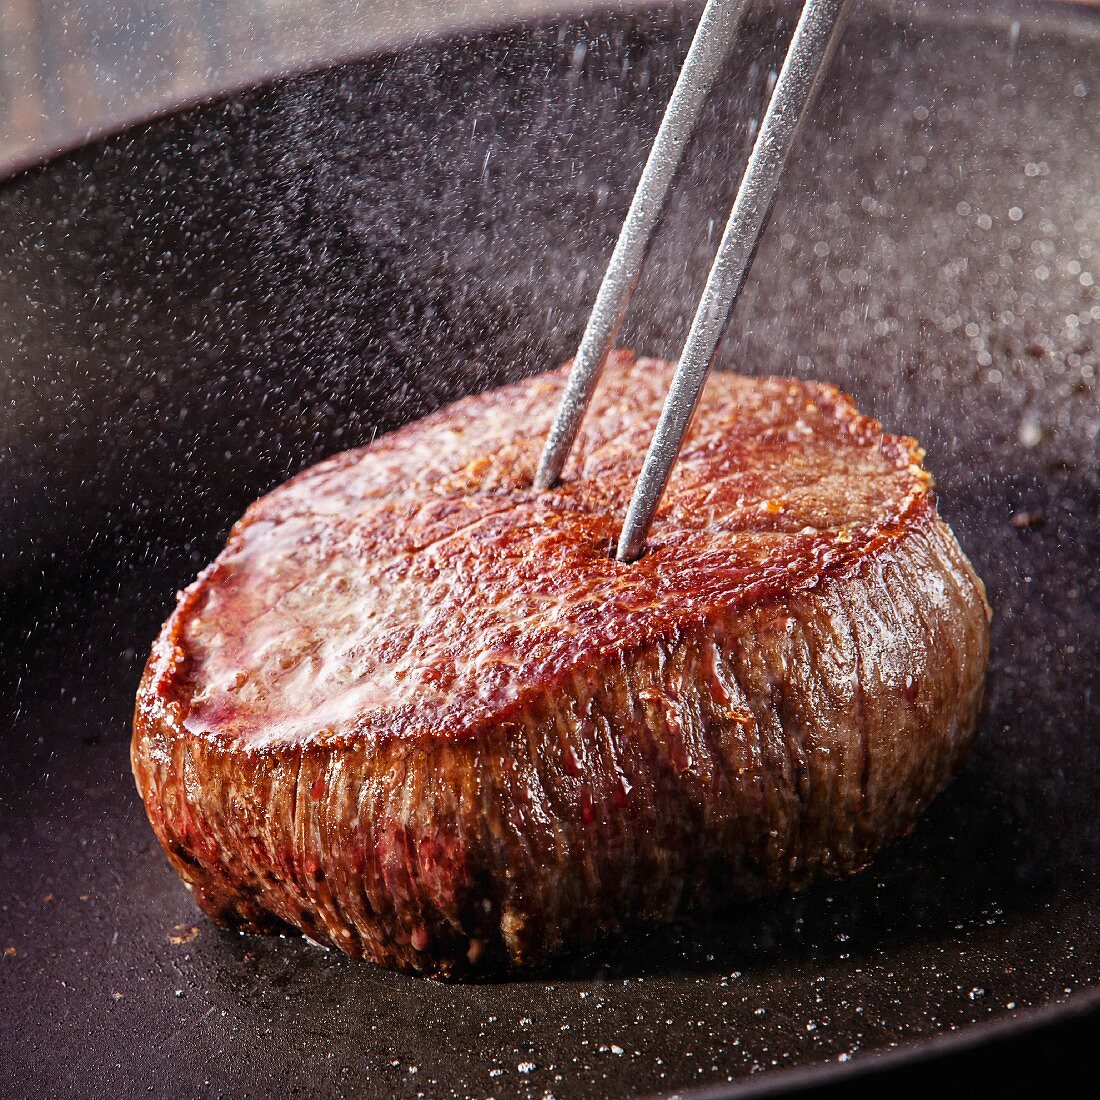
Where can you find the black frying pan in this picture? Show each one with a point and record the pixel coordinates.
(196, 308)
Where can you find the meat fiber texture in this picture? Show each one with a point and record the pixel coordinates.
(416, 709)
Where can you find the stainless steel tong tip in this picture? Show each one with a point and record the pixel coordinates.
(713, 36)
(813, 41)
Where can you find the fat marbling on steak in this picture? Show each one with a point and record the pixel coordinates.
(417, 710)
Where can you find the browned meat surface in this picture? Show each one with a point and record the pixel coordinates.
(416, 709)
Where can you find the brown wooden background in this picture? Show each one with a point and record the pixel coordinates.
(74, 68)
(71, 69)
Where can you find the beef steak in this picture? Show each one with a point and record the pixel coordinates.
(416, 709)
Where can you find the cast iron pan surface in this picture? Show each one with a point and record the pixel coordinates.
(203, 305)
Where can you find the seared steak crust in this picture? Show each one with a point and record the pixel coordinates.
(416, 709)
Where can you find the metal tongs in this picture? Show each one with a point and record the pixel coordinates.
(795, 89)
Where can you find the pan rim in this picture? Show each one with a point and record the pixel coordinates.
(1079, 1005)
(1067, 17)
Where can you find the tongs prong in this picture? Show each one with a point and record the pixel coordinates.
(798, 81)
(716, 30)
